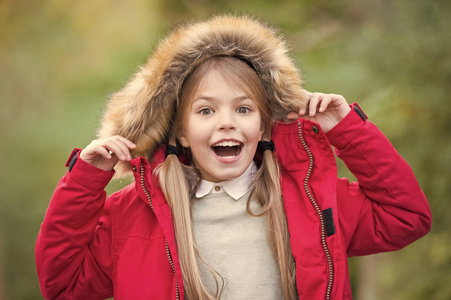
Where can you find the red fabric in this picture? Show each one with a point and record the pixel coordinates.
(89, 248)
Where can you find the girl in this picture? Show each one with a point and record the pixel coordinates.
(235, 194)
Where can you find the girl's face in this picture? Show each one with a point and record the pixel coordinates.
(223, 127)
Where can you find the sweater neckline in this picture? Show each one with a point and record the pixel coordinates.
(235, 188)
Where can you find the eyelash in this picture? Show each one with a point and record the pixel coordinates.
(206, 111)
(248, 110)
(203, 111)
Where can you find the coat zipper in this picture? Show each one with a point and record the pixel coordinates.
(168, 252)
(321, 218)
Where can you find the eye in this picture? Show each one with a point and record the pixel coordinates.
(205, 111)
(243, 110)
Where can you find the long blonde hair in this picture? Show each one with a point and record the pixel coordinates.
(179, 181)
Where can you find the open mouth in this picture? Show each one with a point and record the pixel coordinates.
(227, 149)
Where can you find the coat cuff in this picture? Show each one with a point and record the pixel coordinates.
(348, 128)
(85, 174)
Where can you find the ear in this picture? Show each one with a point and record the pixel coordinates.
(261, 135)
(183, 141)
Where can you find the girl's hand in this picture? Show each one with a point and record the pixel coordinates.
(325, 109)
(104, 154)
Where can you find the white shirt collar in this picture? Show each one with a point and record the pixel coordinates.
(235, 188)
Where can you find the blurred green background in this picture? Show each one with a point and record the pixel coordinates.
(60, 60)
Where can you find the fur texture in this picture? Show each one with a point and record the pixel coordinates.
(143, 110)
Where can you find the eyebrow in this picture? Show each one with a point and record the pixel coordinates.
(208, 98)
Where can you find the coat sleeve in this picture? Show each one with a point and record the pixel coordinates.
(73, 248)
(385, 209)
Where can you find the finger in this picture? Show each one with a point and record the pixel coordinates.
(305, 109)
(125, 145)
(313, 104)
(94, 150)
(327, 99)
(104, 152)
(126, 141)
(118, 148)
(292, 116)
(307, 94)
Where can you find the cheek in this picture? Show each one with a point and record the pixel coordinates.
(195, 134)
(258, 128)
(183, 138)
(187, 131)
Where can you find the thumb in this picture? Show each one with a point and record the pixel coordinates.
(293, 116)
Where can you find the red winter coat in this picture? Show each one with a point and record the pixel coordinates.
(89, 248)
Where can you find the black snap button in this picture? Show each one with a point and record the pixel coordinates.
(315, 129)
(134, 169)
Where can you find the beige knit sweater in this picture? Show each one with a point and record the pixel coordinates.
(235, 244)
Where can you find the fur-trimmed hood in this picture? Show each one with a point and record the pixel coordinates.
(142, 111)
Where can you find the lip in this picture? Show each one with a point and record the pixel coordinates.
(224, 160)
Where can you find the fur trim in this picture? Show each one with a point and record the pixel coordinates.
(142, 111)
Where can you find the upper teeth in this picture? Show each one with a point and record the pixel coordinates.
(227, 144)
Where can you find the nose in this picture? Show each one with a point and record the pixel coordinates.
(227, 122)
